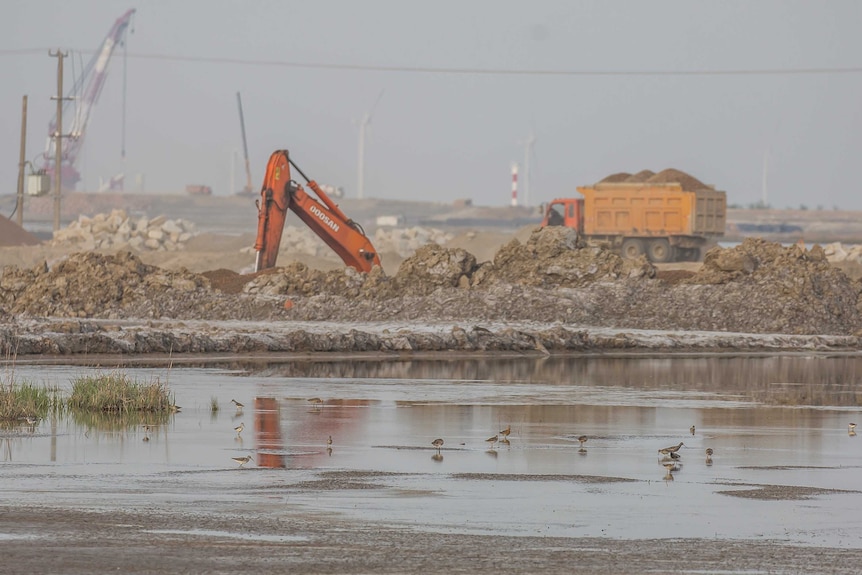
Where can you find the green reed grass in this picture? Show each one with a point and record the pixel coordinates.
(116, 392)
(21, 400)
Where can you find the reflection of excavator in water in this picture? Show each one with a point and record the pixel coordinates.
(279, 194)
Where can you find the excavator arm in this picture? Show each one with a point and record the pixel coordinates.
(280, 194)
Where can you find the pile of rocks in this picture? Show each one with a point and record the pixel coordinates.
(402, 241)
(838, 252)
(118, 231)
(405, 241)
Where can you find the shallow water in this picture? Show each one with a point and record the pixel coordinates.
(771, 420)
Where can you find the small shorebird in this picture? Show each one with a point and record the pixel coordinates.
(316, 402)
(670, 467)
(146, 433)
(505, 433)
(239, 429)
(582, 440)
(492, 440)
(851, 427)
(671, 449)
(329, 442)
(242, 460)
(691, 429)
(438, 443)
(238, 405)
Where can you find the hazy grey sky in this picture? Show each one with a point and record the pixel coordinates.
(441, 135)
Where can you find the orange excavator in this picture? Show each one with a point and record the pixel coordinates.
(280, 193)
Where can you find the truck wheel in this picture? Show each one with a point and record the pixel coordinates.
(660, 251)
(632, 248)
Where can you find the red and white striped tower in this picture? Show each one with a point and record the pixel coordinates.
(514, 184)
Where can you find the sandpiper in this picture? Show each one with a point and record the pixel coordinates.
(242, 460)
(438, 443)
(146, 433)
(691, 429)
(492, 440)
(582, 440)
(671, 449)
(238, 405)
(31, 421)
(316, 402)
(239, 429)
(505, 433)
(329, 442)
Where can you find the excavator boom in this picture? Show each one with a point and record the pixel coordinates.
(280, 193)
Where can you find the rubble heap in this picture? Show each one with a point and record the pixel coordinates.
(117, 231)
(93, 285)
(756, 287)
(401, 241)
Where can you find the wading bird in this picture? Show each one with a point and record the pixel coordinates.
(671, 449)
(438, 443)
(242, 460)
(239, 429)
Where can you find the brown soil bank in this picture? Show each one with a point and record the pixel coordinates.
(551, 281)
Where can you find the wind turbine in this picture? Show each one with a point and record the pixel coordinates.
(529, 154)
(366, 119)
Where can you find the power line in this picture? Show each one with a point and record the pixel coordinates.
(472, 71)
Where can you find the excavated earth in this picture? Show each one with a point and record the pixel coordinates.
(548, 294)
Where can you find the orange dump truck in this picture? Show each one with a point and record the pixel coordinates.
(661, 220)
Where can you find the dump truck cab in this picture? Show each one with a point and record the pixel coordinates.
(568, 212)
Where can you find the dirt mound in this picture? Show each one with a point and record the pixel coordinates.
(433, 267)
(639, 177)
(11, 234)
(670, 175)
(557, 257)
(114, 286)
(615, 178)
(787, 289)
(757, 287)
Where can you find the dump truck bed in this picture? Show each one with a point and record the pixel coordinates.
(647, 210)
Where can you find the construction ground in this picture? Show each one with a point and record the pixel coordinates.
(500, 286)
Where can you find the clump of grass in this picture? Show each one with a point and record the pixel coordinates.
(214, 404)
(116, 392)
(21, 400)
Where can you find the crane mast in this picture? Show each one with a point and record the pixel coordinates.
(89, 87)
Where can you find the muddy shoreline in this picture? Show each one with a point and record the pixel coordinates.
(71, 338)
(226, 539)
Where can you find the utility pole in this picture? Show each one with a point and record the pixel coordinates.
(19, 205)
(58, 136)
